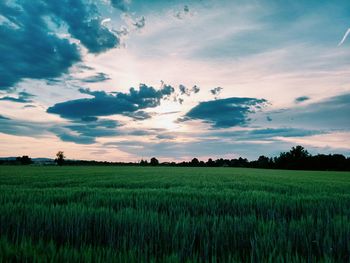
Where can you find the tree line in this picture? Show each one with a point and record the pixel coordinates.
(298, 158)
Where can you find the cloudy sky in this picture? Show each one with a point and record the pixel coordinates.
(121, 80)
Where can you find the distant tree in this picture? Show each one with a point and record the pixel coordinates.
(297, 158)
(60, 158)
(299, 152)
(154, 161)
(194, 162)
(210, 162)
(219, 162)
(240, 162)
(263, 162)
(24, 160)
(143, 162)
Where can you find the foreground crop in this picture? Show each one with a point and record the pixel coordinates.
(164, 214)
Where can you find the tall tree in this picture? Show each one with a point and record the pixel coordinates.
(154, 161)
(60, 158)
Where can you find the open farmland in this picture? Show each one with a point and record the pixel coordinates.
(166, 214)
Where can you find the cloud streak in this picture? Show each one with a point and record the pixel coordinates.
(301, 99)
(23, 97)
(99, 77)
(344, 37)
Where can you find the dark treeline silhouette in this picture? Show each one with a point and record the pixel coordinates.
(298, 158)
(24, 160)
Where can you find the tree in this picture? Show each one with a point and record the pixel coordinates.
(60, 158)
(143, 162)
(263, 162)
(154, 161)
(194, 162)
(210, 162)
(299, 152)
(24, 160)
(297, 158)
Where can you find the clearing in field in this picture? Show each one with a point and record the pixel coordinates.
(164, 214)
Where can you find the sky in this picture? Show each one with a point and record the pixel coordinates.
(125, 80)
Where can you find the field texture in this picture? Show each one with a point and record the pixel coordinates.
(164, 214)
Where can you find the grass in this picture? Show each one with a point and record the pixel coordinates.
(167, 214)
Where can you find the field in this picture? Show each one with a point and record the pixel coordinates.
(165, 214)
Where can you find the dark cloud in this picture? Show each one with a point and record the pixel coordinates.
(3, 118)
(84, 67)
(89, 119)
(183, 90)
(225, 113)
(182, 14)
(52, 81)
(97, 93)
(123, 31)
(30, 52)
(29, 106)
(23, 97)
(132, 24)
(140, 23)
(99, 77)
(13, 99)
(139, 115)
(196, 89)
(30, 47)
(84, 23)
(93, 129)
(138, 133)
(301, 99)
(165, 137)
(216, 91)
(105, 104)
(186, 91)
(24, 128)
(120, 4)
(80, 131)
(79, 139)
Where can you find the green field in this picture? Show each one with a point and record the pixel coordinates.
(166, 214)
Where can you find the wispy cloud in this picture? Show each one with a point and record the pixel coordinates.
(99, 77)
(23, 97)
(344, 37)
